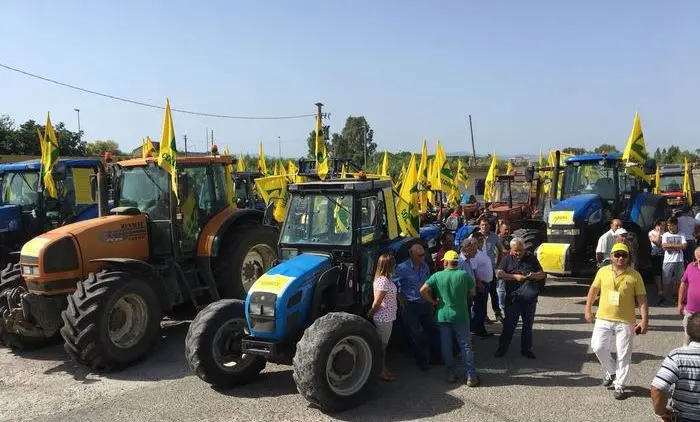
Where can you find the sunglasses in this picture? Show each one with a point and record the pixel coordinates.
(620, 255)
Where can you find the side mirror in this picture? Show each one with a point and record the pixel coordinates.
(650, 166)
(93, 187)
(530, 173)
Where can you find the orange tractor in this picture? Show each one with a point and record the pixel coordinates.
(105, 284)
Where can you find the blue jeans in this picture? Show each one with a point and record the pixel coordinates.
(420, 326)
(514, 311)
(479, 309)
(501, 289)
(461, 332)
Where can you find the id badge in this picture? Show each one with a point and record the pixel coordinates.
(614, 298)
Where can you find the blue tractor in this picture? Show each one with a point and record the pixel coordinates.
(308, 310)
(26, 213)
(595, 188)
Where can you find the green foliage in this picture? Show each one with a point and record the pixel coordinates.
(605, 148)
(98, 148)
(573, 150)
(23, 140)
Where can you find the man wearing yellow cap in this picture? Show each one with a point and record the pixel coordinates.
(452, 287)
(619, 285)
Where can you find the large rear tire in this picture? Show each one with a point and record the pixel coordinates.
(532, 238)
(247, 255)
(338, 361)
(213, 346)
(10, 277)
(112, 319)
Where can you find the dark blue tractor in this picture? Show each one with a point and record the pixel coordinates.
(595, 189)
(25, 212)
(308, 310)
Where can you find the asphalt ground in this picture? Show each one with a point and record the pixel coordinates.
(562, 384)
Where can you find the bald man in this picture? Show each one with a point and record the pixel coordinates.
(606, 241)
(416, 313)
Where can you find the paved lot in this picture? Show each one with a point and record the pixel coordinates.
(562, 384)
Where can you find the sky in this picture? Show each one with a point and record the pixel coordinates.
(533, 75)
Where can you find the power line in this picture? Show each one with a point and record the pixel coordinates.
(127, 100)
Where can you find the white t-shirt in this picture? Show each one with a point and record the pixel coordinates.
(686, 226)
(482, 266)
(673, 239)
(605, 243)
(656, 250)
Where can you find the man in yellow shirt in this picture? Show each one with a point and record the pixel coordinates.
(618, 284)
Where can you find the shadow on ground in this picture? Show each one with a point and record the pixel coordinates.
(165, 362)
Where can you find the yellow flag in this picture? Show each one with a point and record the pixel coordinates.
(49, 159)
(230, 189)
(422, 177)
(490, 182)
(509, 167)
(385, 164)
(262, 165)
(636, 150)
(276, 170)
(687, 185)
(240, 165)
(167, 156)
(343, 172)
(41, 141)
(274, 188)
(657, 180)
(320, 148)
(406, 208)
(462, 175)
(147, 149)
(540, 160)
(292, 172)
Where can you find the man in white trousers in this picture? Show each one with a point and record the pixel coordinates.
(618, 284)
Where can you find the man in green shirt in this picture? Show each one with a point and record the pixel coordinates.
(452, 288)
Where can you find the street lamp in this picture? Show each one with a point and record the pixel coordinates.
(77, 110)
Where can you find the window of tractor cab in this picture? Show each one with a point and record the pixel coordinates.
(519, 190)
(20, 189)
(319, 219)
(671, 182)
(207, 188)
(145, 188)
(589, 177)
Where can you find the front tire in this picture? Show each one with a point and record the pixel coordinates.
(213, 346)
(112, 319)
(338, 361)
(10, 277)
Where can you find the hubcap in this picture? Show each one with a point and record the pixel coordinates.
(128, 320)
(349, 365)
(258, 260)
(227, 347)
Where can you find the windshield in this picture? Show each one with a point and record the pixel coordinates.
(589, 177)
(671, 183)
(20, 188)
(519, 190)
(319, 219)
(145, 188)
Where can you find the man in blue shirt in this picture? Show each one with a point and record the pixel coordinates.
(416, 314)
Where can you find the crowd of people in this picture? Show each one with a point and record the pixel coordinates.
(452, 303)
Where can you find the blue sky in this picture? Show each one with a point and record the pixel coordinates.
(533, 74)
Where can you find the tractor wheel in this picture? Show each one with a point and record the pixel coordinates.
(532, 238)
(112, 319)
(213, 345)
(10, 277)
(245, 257)
(338, 361)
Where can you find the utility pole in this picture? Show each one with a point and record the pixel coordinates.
(364, 145)
(77, 110)
(206, 136)
(279, 144)
(212, 139)
(319, 115)
(185, 138)
(471, 130)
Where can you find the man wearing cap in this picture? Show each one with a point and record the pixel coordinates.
(629, 239)
(619, 286)
(452, 287)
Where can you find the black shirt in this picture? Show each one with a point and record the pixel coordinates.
(528, 263)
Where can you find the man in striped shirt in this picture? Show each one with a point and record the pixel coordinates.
(679, 378)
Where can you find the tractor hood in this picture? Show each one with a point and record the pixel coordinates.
(575, 210)
(10, 218)
(54, 261)
(280, 301)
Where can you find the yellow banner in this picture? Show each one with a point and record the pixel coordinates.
(81, 185)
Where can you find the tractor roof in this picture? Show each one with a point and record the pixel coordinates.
(342, 185)
(671, 169)
(35, 165)
(613, 156)
(184, 160)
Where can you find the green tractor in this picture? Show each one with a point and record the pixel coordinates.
(308, 310)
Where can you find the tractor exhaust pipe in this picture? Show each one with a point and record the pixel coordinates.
(97, 189)
(555, 176)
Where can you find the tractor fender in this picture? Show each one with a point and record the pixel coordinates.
(328, 279)
(131, 264)
(214, 232)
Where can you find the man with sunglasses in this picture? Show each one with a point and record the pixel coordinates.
(619, 286)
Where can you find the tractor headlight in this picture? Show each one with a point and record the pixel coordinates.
(563, 232)
(262, 304)
(30, 270)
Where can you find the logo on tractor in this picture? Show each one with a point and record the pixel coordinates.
(271, 283)
(127, 231)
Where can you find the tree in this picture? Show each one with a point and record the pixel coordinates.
(355, 133)
(311, 142)
(98, 148)
(574, 150)
(339, 146)
(605, 148)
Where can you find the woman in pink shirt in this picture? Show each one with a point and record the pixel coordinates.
(689, 292)
(383, 310)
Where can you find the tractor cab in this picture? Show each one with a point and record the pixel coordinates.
(671, 184)
(246, 196)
